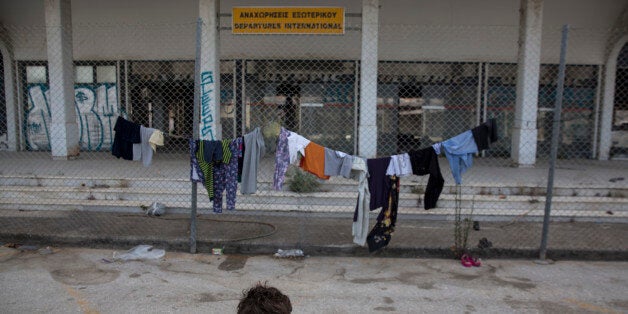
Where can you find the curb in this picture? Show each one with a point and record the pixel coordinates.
(205, 247)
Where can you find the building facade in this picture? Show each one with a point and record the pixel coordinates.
(400, 75)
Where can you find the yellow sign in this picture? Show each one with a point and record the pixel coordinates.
(288, 20)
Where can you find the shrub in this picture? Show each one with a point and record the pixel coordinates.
(302, 182)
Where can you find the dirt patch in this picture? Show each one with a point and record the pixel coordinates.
(84, 276)
(233, 262)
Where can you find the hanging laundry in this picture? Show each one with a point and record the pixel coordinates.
(360, 227)
(381, 233)
(220, 174)
(378, 182)
(196, 174)
(485, 133)
(254, 143)
(425, 161)
(459, 151)
(137, 148)
(146, 149)
(241, 159)
(337, 163)
(156, 139)
(296, 146)
(436, 147)
(212, 150)
(313, 160)
(399, 166)
(282, 159)
(289, 146)
(126, 134)
(209, 153)
(232, 172)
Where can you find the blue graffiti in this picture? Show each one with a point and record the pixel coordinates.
(207, 105)
(80, 97)
(96, 111)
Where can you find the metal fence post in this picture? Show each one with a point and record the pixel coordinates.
(195, 120)
(555, 136)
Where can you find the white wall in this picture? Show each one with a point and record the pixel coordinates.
(444, 30)
(462, 30)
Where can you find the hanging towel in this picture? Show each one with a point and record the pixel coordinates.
(156, 139)
(254, 143)
(314, 160)
(425, 161)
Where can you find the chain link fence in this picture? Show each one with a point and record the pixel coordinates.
(312, 85)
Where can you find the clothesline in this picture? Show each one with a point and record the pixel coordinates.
(219, 165)
(382, 174)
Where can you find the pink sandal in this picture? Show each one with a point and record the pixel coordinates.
(465, 261)
(468, 261)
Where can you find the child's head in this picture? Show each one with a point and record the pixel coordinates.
(264, 299)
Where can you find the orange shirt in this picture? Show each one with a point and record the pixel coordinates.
(314, 160)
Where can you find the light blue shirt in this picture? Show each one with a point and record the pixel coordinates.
(459, 151)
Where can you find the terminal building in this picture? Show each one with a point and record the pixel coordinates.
(367, 77)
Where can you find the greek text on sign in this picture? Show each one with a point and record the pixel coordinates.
(288, 20)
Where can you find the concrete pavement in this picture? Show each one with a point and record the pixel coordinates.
(71, 280)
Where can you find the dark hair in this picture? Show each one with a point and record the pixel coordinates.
(264, 299)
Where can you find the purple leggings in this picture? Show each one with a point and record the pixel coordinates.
(226, 177)
(282, 160)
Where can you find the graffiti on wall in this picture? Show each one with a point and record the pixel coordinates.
(207, 105)
(96, 112)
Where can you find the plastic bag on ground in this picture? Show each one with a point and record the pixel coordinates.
(140, 252)
(289, 253)
(156, 209)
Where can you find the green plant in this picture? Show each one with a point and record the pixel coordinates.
(302, 182)
(461, 225)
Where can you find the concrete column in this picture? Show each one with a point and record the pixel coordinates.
(9, 96)
(210, 127)
(608, 103)
(367, 129)
(524, 133)
(64, 132)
